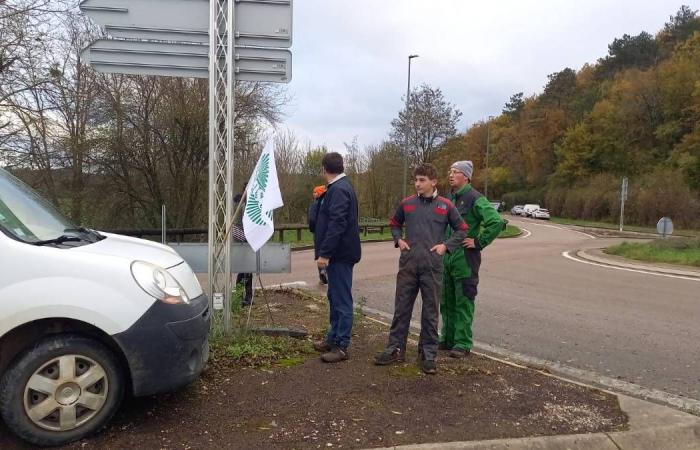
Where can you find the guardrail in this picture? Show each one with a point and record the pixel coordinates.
(178, 234)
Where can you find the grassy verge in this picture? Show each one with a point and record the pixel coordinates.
(510, 231)
(672, 251)
(290, 236)
(616, 226)
(307, 238)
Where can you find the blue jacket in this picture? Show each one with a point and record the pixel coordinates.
(337, 232)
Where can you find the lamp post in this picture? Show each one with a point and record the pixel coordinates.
(488, 145)
(405, 152)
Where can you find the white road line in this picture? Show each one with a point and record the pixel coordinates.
(529, 233)
(567, 255)
(567, 373)
(293, 284)
(590, 236)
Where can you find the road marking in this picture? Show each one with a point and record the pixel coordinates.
(626, 269)
(293, 284)
(590, 236)
(567, 373)
(529, 233)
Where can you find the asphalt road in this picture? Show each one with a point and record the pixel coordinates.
(532, 300)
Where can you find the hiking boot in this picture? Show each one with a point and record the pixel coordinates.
(428, 366)
(443, 346)
(389, 356)
(459, 353)
(322, 346)
(337, 354)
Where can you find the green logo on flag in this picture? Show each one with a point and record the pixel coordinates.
(256, 192)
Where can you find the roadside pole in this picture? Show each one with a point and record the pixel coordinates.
(623, 197)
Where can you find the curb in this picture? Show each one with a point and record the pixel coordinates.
(669, 437)
(586, 255)
(681, 430)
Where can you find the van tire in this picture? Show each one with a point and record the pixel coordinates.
(45, 358)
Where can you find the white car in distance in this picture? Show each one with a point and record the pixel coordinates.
(540, 214)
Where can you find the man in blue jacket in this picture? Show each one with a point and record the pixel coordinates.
(337, 248)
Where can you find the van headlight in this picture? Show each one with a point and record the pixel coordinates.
(158, 283)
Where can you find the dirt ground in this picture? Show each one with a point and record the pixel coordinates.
(303, 403)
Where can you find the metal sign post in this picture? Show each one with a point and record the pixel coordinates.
(623, 197)
(216, 39)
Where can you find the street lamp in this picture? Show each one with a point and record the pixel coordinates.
(488, 145)
(405, 153)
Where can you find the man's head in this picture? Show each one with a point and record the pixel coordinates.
(460, 174)
(425, 176)
(332, 165)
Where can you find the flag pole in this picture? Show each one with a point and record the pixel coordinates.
(236, 214)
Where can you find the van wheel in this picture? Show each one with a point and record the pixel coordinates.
(62, 389)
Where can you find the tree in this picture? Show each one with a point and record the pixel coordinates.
(427, 123)
(639, 52)
(679, 28)
(514, 106)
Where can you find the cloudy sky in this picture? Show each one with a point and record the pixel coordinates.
(350, 56)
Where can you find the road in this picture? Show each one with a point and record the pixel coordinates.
(630, 326)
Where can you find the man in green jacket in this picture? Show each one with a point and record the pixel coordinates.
(461, 275)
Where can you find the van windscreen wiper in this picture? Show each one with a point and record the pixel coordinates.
(59, 240)
(94, 235)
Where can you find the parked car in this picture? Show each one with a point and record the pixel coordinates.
(516, 210)
(528, 210)
(498, 206)
(86, 317)
(540, 214)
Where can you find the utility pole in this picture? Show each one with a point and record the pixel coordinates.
(623, 197)
(488, 145)
(405, 152)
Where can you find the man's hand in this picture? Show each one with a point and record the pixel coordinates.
(468, 243)
(322, 262)
(440, 249)
(403, 245)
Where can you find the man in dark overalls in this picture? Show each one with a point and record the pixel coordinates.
(461, 276)
(426, 216)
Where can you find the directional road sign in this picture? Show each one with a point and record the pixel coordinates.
(262, 23)
(185, 60)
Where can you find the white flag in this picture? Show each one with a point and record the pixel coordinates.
(263, 197)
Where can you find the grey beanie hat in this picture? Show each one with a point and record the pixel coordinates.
(466, 167)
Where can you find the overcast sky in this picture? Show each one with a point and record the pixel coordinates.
(350, 56)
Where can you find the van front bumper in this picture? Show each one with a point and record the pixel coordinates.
(168, 346)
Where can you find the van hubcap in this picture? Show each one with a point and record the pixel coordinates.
(65, 393)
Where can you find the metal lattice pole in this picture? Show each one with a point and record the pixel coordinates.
(221, 109)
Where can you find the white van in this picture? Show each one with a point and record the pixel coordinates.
(529, 209)
(86, 317)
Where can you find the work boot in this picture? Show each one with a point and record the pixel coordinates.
(389, 356)
(443, 346)
(459, 353)
(322, 346)
(337, 354)
(428, 366)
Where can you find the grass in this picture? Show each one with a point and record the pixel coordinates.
(254, 349)
(307, 238)
(682, 251)
(510, 231)
(616, 226)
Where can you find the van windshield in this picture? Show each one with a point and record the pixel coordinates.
(26, 216)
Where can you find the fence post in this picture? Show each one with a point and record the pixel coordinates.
(281, 235)
(298, 234)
